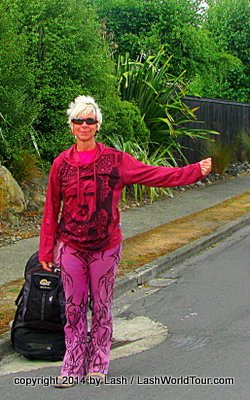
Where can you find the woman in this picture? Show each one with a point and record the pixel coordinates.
(87, 180)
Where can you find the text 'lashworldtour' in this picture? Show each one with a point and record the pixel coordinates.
(132, 380)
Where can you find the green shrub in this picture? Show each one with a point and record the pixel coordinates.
(123, 118)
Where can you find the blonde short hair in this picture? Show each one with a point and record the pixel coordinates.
(84, 105)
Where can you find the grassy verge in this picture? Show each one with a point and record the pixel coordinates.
(146, 247)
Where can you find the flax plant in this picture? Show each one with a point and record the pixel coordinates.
(159, 96)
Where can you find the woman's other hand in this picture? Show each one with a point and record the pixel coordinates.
(206, 166)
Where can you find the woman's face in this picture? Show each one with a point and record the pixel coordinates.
(85, 132)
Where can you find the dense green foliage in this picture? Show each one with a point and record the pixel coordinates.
(67, 57)
(51, 52)
(229, 24)
(139, 27)
(211, 46)
(50, 55)
(18, 109)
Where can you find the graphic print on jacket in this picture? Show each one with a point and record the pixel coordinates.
(90, 194)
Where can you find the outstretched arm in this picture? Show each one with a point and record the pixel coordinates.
(135, 171)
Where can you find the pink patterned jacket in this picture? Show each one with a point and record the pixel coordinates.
(82, 199)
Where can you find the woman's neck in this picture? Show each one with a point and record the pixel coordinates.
(81, 146)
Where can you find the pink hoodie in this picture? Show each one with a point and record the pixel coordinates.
(89, 194)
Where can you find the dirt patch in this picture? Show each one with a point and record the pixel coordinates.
(18, 227)
(146, 247)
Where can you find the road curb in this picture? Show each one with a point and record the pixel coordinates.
(149, 271)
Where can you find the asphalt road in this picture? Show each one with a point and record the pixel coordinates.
(207, 311)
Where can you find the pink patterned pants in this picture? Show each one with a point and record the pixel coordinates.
(82, 272)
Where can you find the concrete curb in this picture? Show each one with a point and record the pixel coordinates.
(156, 267)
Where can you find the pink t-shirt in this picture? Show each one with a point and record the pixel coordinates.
(87, 156)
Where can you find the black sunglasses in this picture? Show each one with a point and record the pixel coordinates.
(80, 121)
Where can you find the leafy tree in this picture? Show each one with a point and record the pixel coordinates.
(125, 23)
(142, 27)
(50, 55)
(18, 109)
(229, 24)
(209, 67)
(67, 57)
